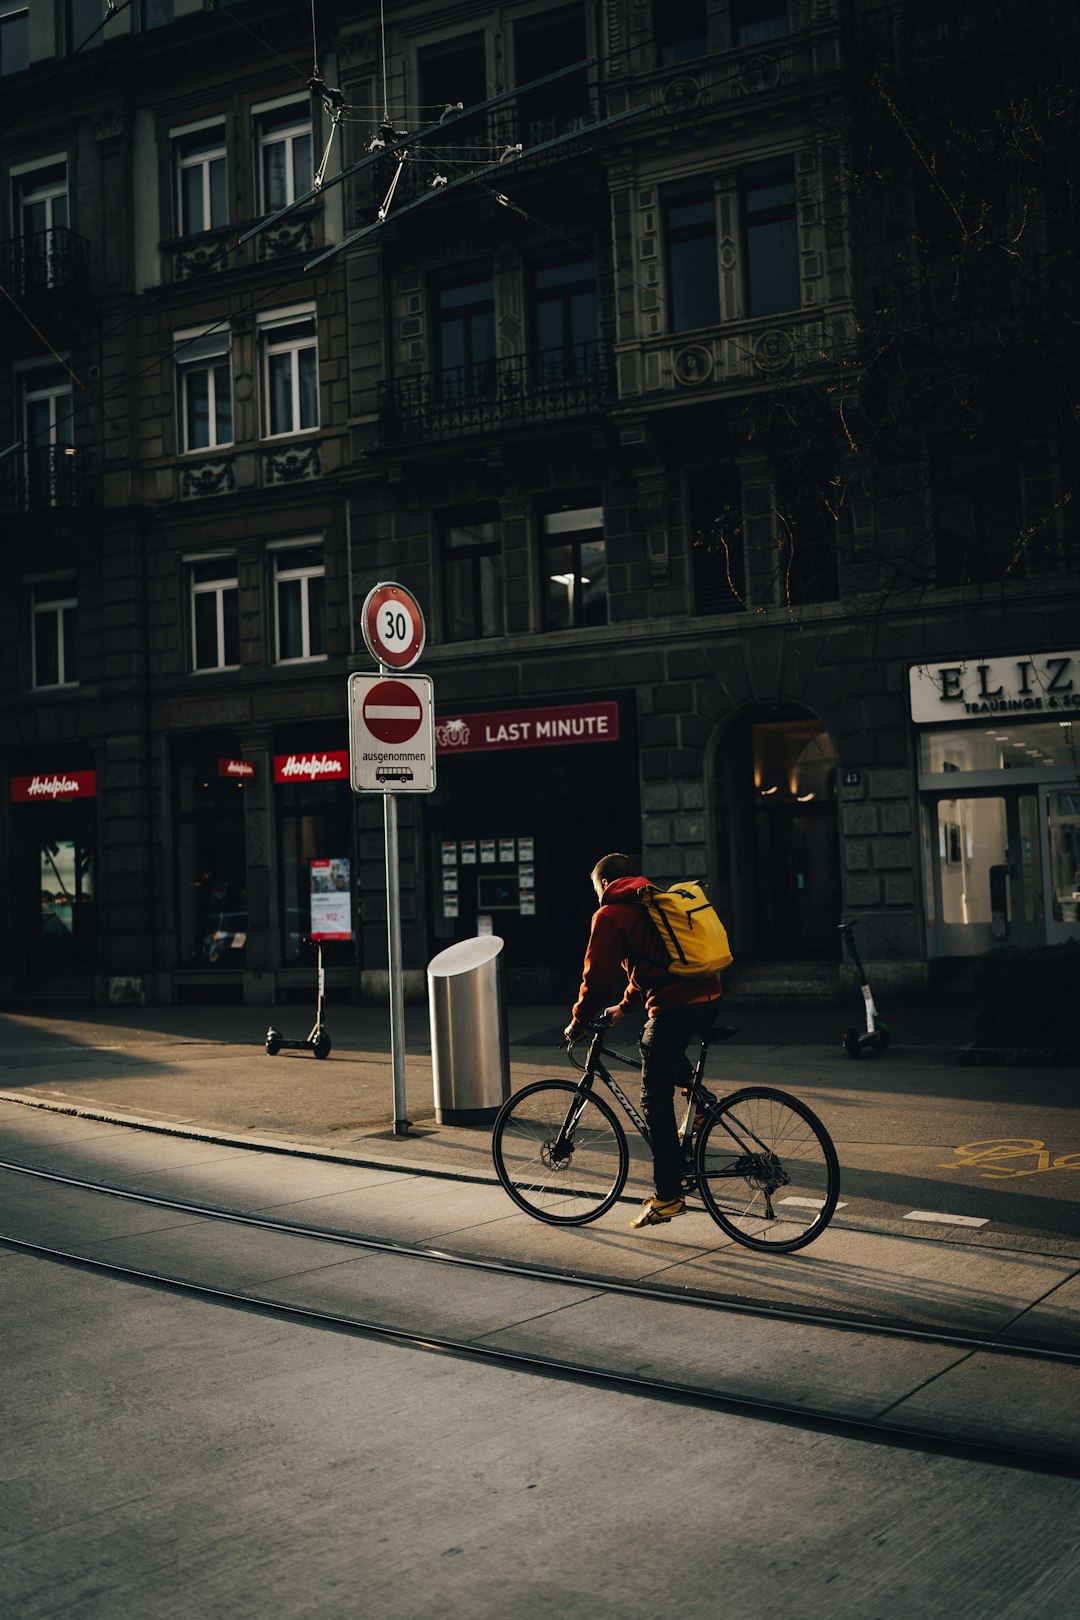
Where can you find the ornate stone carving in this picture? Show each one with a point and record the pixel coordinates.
(682, 95)
(296, 237)
(774, 350)
(198, 261)
(109, 124)
(759, 74)
(693, 365)
(292, 465)
(207, 478)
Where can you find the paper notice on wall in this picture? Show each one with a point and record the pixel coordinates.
(507, 849)
(483, 925)
(449, 882)
(449, 852)
(525, 849)
(528, 905)
(487, 851)
(468, 852)
(525, 876)
(450, 905)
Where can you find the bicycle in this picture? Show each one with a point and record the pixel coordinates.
(561, 1152)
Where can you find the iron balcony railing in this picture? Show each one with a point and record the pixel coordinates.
(53, 477)
(47, 261)
(492, 395)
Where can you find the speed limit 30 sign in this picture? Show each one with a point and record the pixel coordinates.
(393, 626)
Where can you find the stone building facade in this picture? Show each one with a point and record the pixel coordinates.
(604, 409)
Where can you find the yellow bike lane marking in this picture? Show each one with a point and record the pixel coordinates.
(999, 1152)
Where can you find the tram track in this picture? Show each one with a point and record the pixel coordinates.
(951, 1440)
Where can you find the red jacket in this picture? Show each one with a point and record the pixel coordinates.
(624, 936)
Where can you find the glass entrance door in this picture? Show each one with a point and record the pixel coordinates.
(1061, 826)
(984, 872)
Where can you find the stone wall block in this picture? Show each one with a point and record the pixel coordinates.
(857, 854)
(899, 889)
(859, 819)
(896, 818)
(889, 784)
(660, 796)
(892, 852)
(863, 891)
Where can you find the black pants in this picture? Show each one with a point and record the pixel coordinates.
(664, 1066)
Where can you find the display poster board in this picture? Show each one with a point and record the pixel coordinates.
(331, 899)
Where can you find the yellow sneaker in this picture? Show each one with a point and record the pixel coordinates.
(655, 1211)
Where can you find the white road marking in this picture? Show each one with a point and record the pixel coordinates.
(945, 1220)
(808, 1203)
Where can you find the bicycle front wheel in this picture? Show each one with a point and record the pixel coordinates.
(561, 1154)
(768, 1170)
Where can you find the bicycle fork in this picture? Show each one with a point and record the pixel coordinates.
(560, 1149)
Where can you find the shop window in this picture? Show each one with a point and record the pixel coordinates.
(41, 214)
(755, 21)
(202, 198)
(693, 285)
(772, 261)
(574, 568)
(211, 871)
(290, 374)
(543, 44)
(680, 30)
(299, 603)
(204, 391)
(283, 136)
(14, 38)
(215, 613)
(1023, 746)
(53, 635)
(473, 580)
(564, 317)
(316, 820)
(975, 497)
(465, 338)
(717, 542)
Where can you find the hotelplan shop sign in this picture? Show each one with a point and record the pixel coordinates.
(990, 688)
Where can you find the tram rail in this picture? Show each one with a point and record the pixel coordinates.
(772, 1409)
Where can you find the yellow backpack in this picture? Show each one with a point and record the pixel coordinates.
(693, 938)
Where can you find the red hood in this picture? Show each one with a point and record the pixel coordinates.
(625, 890)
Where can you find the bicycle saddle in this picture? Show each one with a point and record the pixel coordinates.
(719, 1032)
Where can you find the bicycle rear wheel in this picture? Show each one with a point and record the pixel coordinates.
(768, 1170)
(567, 1183)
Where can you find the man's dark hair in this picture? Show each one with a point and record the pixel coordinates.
(611, 867)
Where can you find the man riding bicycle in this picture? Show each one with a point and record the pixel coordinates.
(677, 1009)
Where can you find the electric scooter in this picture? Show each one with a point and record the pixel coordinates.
(317, 1038)
(876, 1035)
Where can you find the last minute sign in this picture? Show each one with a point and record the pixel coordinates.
(988, 688)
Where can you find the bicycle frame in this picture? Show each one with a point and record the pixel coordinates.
(697, 1093)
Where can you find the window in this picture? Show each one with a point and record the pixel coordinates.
(284, 141)
(465, 338)
(47, 419)
(40, 210)
(14, 37)
(202, 202)
(575, 568)
(680, 30)
(452, 71)
(563, 300)
(473, 576)
(808, 506)
(290, 371)
(978, 526)
(772, 260)
(211, 911)
(215, 613)
(543, 44)
(693, 292)
(300, 603)
(157, 12)
(754, 21)
(717, 542)
(204, 391)
(54, 625)
(84, 19)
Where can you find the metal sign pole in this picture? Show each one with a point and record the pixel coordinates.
(393, 946)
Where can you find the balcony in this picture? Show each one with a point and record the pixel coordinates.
(54, 478)
(493, 396)
(48, 262)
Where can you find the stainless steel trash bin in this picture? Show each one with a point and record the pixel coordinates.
(469, 1058)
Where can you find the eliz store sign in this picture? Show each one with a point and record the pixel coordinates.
(975, 689)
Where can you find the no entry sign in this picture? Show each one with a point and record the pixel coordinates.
(393, 712)
(391, 734)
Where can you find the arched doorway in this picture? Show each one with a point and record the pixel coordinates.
(778, 817)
